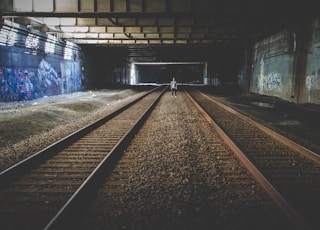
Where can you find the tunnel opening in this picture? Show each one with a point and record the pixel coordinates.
(163, 72)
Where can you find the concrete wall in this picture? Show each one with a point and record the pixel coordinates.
(310, 83)
(287, 64)
(272, 65)
(33, 64)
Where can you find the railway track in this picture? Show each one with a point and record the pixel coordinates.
(292, 169)
(178, 173)
(38, 191)
(195, 181)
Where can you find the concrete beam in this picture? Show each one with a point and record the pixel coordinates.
(119, 6)
(103, 6)
(86, 6)
(43, 6)
(86, 21)
(155, 6)
(66, 6)
(97, 29)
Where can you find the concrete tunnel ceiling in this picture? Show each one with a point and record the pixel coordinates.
(158, 30)
(148, 22)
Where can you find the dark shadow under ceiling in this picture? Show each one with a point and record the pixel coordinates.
(157, 22)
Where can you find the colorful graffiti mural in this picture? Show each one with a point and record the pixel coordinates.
(15, 85)
(34, 64)
(269, 82)
(18, 84)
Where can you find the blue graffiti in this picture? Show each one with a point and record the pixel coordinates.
(49, 81)
(274, 81)
(269, 82)
(17, 84)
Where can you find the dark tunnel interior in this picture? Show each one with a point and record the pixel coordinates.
(163, 73)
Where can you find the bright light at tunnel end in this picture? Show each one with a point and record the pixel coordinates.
(133, 80)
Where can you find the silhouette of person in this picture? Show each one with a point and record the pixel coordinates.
(173, 87)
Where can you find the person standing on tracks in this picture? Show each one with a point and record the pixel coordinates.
(173, 87)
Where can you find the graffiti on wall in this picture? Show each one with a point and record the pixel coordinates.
(34, 64)
(313, 84)
(267, 82)
(71, 76)
(20, 84)
(15, 85)
(48, 79)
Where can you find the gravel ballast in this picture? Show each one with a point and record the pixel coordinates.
(27, 127)
(182, 176)
(175, 158)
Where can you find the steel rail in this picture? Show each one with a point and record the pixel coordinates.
(279, 200)
(291, 144)
(89, 186)
(19, 169)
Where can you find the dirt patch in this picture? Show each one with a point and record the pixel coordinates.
(79, 107)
